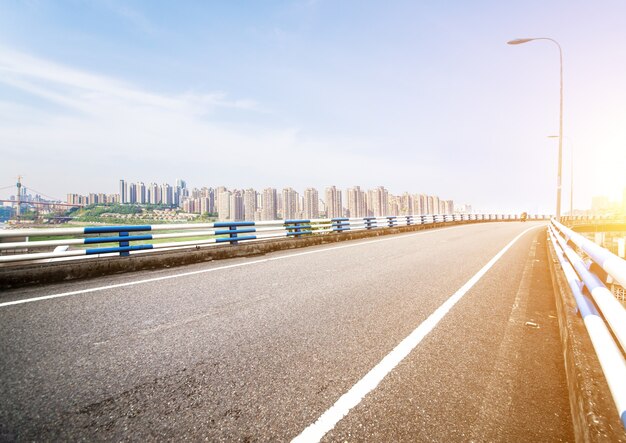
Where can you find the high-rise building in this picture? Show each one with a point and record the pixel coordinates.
(154, 194)
(167, 194)
(223, 208)
(131, 192)
(236, 205)
(357, 205)
(249, 204)
(141, 193)
(430, 207)
(334, 207)
(436, 205)
(269, 209)
(290, 204)
(205, 205)
(393, 205)
(210, 194)
(188, 205)
(378, 201)
(423, 204)
(311, 204)
(123, 197)
(218, 193)
(406, 204)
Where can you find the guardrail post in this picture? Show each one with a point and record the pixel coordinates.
(233, 231)
(370, 222)
(340, 224)
(124, 243)
(233, 234)
(391, 221)
(297, 228)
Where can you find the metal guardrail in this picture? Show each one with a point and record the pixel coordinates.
(603, 258)
(604, 317)
(578, 220)
(123, 240)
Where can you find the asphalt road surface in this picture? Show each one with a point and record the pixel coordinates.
(264, 348)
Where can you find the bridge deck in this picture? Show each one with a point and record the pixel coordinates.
(259, 348)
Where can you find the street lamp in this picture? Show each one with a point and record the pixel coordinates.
(519, 41)
(571, 173)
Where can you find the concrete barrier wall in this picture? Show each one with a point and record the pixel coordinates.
(593, 411)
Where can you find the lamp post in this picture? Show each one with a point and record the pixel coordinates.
(571, 172)
(519, 41)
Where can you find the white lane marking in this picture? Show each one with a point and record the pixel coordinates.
(220, 268)
(327, 421)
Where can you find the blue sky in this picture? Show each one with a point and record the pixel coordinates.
(417, 96)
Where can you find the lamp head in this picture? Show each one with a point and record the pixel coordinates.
(519, 41)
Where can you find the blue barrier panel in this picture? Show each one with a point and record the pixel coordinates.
(235, 239)
(105, 229)
(295, 227)
(370, 222)
(121, 238)
(120, 249)
(231, 231)
(229, 224)
(340, 224)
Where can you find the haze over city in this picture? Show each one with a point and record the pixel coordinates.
(418, 98)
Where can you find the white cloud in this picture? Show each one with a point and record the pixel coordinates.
(103, 129)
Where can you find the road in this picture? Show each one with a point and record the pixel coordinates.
(259, 348)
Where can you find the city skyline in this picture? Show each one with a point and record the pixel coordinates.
(312, 93)
(271, 203)
(351, 202)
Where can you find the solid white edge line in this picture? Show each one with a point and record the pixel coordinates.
(327, 421)
(202, 271)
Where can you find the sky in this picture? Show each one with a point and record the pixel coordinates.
(417, 96)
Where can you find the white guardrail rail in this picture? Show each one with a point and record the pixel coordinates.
(55, 244)
(603, 315)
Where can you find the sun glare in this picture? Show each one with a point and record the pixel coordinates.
(609, 178)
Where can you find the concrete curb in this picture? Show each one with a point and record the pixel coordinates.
(594, 415)
(42, 273)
